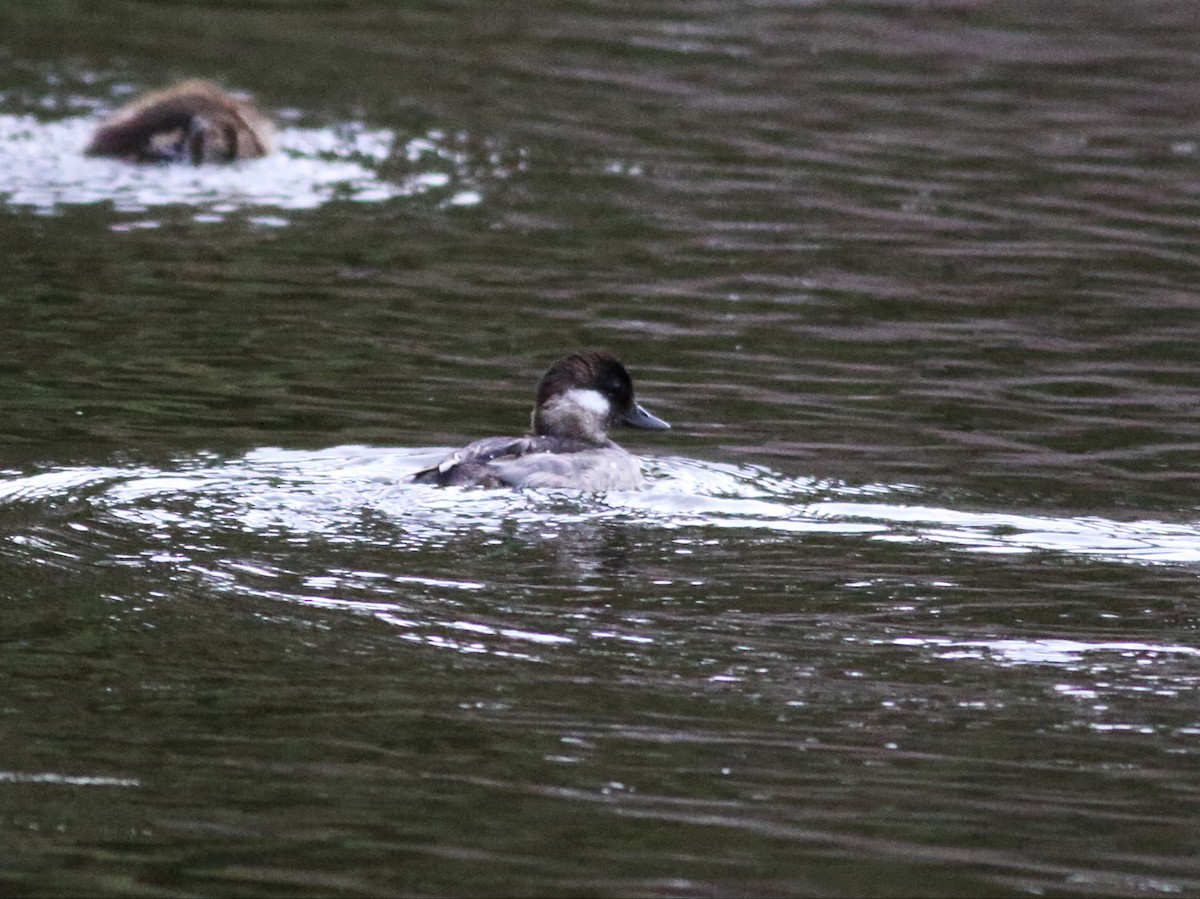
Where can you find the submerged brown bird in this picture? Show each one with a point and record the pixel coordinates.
(193, 121)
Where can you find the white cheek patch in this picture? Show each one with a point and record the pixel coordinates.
(591, 400)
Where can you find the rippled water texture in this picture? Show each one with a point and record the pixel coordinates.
(908, 605)
(44, 170)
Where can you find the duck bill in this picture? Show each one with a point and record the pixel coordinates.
(637, 417)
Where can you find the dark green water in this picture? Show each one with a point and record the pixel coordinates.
(909, 605)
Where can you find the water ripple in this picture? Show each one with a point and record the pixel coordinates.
(42, 169)
(343, 493)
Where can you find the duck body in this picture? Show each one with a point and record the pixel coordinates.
(578, 399)
(192, 122)
(537, 462)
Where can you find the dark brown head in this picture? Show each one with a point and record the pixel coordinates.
(192, 121)
(586, 393)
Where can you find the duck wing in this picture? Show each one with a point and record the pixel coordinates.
(480, 464)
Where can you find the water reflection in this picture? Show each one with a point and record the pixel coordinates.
(942, 250)
(339, 493)
(72, 780)
(708, 707)
(1043, 652)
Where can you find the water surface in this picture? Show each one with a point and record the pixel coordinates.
(908, 605)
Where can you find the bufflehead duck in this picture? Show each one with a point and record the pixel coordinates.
(192, 121)
(578, 400)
